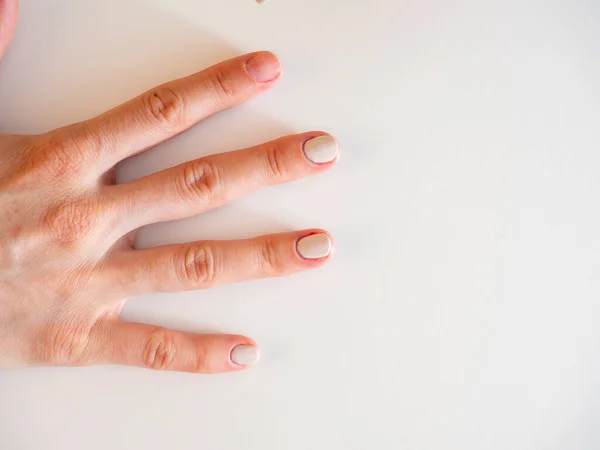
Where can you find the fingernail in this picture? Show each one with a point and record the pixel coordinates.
(264, 66)
(316, 246)
(245, 355)
(322, 149)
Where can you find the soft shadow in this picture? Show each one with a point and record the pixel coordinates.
(85, 57)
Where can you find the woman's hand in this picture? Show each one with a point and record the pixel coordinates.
(67, 256)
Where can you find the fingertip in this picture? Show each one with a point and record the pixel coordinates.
(321, 148)
(315, 246)
(264, 66)
(245, 356)
(244, 353)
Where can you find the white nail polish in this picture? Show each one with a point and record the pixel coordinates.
(322, 149)
(316, 246)
(245, 355)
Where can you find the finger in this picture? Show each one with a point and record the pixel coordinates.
(204, 264)
(8, 22)
(172, 108)
(204, 184)
(131, 344)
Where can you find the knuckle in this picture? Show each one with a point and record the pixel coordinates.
(58, 155)
(223, 85)
(64, 344)
(199, 180)
(270, 262)
(276, 167)
(202, 359)
(159, 350)
(200, 266)
(165, 107)
(71, 221)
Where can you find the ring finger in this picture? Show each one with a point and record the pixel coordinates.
(200, 265)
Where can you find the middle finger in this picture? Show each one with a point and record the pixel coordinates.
(206, 183)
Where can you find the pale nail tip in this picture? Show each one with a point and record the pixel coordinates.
(245, 355)
(316, 246)
(322, 149)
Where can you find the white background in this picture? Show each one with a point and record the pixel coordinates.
(462, 308)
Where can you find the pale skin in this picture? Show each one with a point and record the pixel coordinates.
(68, 260)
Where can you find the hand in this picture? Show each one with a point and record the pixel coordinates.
(67, 256)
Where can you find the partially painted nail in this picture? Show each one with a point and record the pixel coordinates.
(322, 149)
(245, 355)
(316, 246)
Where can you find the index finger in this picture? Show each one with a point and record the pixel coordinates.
(168, 110)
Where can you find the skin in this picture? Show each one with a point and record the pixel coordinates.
(67, 254)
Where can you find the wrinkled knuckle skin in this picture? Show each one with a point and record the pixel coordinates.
(166, 108)
(198, 181)
(200, 266)
(202, 359)
(276, 167)
(72, 221)
(159, 350)
(57, 156)
(64, 344)
(270, 261)
(222, 84)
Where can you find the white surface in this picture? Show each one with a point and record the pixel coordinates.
(461, 309)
